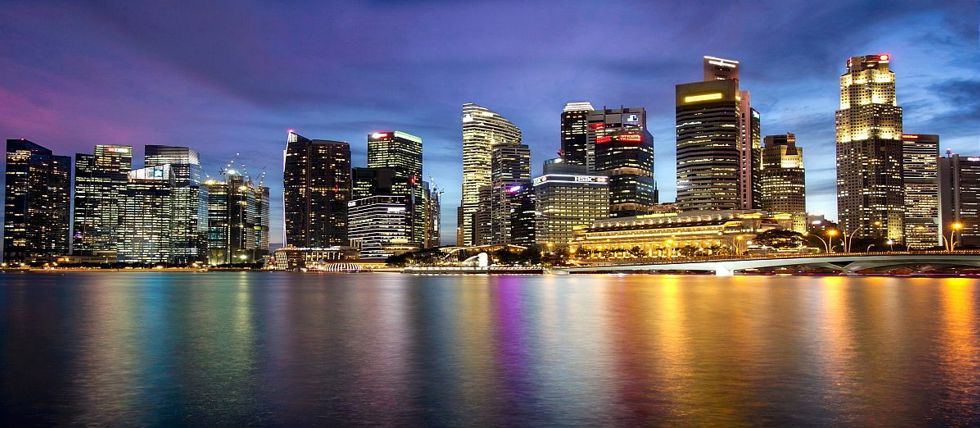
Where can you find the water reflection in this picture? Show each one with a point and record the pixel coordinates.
(290, 349)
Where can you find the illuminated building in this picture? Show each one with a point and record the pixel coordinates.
(403, 152)
(482, 130)
(523, 214)
(238, 219)
(620, 147)
(574, 131)
(100, 179)
(566, 201)
(292, 258)
(920, 173)
(36, 203)
(959, 198)
(703, 233)
(433, 210)
(316, 189)
(870, 197)
(146, 217)
(510, 173)
(188, 238)
(380, 226)
(783, 179)
(708, 141)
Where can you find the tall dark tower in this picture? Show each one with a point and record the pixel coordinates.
(574, 132)
(870, 190)
(36, 203)
(621, 148)
(401, 152)
(316, 190)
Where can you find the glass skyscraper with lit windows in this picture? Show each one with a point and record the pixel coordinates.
(238, 219)
(783, 179)
(574, 132)
(920, 175)
(100, 179)
(36, 203)
(147, 217)
(870, 190)
(188, 238)
(621, 148)
(401, 153)
(316, 189)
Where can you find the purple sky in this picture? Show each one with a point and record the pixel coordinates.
(232, 77)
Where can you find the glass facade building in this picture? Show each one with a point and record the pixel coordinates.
(401, 152)
(380, 226)
(188, 240)
(482, 130)
(36, 203)
(238, 220)
(783, 179)
(564, 202)
(574, 132)
(146, 221)
(920, 174)
(100, 179)
(959, 198)
(316, 189)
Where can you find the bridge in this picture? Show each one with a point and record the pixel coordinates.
(847, 263)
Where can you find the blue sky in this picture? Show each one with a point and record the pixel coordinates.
(231, 77)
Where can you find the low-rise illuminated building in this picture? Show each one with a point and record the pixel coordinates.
(381, 226)
(293, 258)
(686, 234)
(565, 201)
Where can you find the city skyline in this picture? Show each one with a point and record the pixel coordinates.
(146, 89)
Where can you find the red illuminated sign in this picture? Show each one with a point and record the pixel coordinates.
(603, 139)
(630, 138)
(598, 125)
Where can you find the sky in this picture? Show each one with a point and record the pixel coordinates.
(229, 78)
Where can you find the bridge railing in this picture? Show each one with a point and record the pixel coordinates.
(673, 260)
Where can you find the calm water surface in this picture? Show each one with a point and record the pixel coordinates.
(166, 349)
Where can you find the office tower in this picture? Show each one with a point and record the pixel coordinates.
(708, 142)
(720, 69)
(959, 199)
(316, 189)
(749, 156)
(147, 216)
(783, 179)
(189, 225)
(870, 198)
(621, 148)
(100, 179)
(238, 219)
(510, 168)
(482, 130)
(36, 203)
(566, 201)
(402, 152)
(523, 214)
(920, 174)
(559, 166)
(433, 222)
(574, 131)
(380, 226)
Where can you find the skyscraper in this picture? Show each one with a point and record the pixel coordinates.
(708, 142)
(316, 189)
(146, 220)
(100, 179)
(870, 197)
(238, 219)
(380, 226)
(959, 198)
(188, 236)
(402, 152)
(482, 130)
(433, 221)
(510, 169)
(621, 148)
(783, 179)
(566, 201)
(36, 203)
(574, 131)
(920, 173)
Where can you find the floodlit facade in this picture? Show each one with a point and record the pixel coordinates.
(36, 203)
(482, 130)
(574, 131)
(316, 189)
(870, 196)
(564, 202)
(783, 179)
(380, 226)
(959, 198)
(920, 173)
(147, 216)
(189, 225)
(667, 235)
(100, 179)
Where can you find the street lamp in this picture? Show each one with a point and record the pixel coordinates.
(956, 226)
(830, 241)
(891, 245)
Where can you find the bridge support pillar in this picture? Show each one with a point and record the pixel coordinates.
(722, 270)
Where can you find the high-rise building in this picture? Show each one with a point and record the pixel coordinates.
(100, 179)
(36, 203)
(189, 225)
(238, 219)
(523, 214)
(316, 189)
(380, 226)
(749, 156)
(146, 219)
(574, 131)
(708, 142)
(395, 149)
(720, 69)
(870, 197)
(920, 173)
(433, 221)
(566, 201)
(783, 179)
(482, 130)
(621, 148)
(959, 199)
(510, 168)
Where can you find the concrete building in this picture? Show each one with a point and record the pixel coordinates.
(783, 179)
(959, 199)
(564, 202)
(920, 174)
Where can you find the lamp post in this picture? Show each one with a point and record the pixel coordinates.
(956, 226)
(830, 240)
(891, 245)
